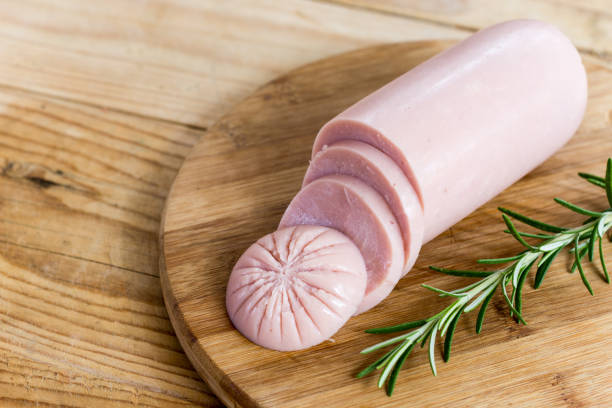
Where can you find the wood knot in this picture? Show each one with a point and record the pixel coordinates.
(42, 176)
(35, 173)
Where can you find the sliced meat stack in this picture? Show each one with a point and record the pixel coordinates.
(376, 169)
(410, 160)
(350, 206)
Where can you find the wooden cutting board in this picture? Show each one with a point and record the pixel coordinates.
(234, 186)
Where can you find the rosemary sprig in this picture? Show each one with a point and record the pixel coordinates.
(580, 241)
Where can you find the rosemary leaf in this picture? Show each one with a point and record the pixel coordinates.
(603, 262)
(500, 260)
(396, 370)
(530, 235)
(609, 181)
(547, 254)
(518, 269)
(602, 227)
(582, 275)
(581, 253)
(577, 209)
(531, 222)
(395, 355)
(432, 349)
(591, 245)
(456, 272)
(596, 180)
(441, 292)
(425, 335)
(518, 301)
(443, 323)
(448, 340)
(466, 288)
(480, 298)
(515, 233)
(397, 327)
(543, 267)
(482, 311)
(386, 343)
(373, 366)
(551, 246)
(510, 305)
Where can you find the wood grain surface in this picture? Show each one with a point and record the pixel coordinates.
(184, 60)
(82, 321)
(588, 23)
(223, 201)
(100, 101)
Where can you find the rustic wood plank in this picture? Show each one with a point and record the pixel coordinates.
(82, 187)
(81, 193)
(23, 379)
(587, 23)
(219, 205)
(185, 61)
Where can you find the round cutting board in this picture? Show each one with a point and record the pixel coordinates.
(237, 181)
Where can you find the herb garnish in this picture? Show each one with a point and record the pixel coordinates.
(553, 240)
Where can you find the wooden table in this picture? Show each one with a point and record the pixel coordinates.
(100, 103)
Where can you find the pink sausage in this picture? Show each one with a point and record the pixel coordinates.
(357, 210)
(376, 169)
(446, 136)
(469, 122)
(295, 287)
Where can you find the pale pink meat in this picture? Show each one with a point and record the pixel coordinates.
(357, 210)
(472, 120)
(295, 287)
(401, 166)
(376, 169)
